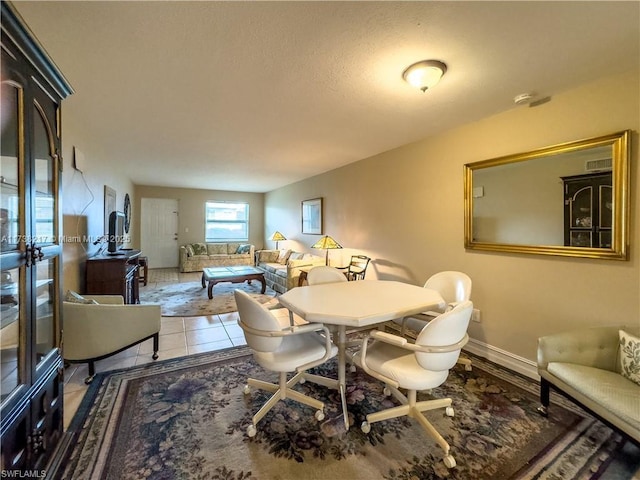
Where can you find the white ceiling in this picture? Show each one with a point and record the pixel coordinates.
(252, 96)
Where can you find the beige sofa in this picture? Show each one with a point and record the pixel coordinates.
(282, 267)
(584, 365)
(196, 256)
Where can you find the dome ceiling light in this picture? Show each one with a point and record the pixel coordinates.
(424, 74)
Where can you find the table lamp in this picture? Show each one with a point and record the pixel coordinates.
(276, 237)
(326, 243)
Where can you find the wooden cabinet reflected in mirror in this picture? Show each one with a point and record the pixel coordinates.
(570, 200)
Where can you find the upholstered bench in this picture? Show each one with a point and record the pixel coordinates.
(587, 367)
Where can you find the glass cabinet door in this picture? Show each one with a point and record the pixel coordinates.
(12, 321)
(44, 178)
(10, 161)
(582, 218)
(11, 324)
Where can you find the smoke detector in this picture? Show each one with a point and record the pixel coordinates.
(523, 99)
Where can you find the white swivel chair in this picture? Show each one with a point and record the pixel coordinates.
(322, 274)
(280, 347)
(422, 365)
(454, 287)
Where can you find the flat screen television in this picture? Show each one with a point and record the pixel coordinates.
(115, 236)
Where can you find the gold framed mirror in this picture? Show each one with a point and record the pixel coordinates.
(570, 200)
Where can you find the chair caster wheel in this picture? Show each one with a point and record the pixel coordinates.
(365, 427)
(246, 390)
(449, 411)
(302, 381)
(352, 369)
(251, 430)
(89, 379)
(542, 410)
(155, 355)
(319, 415)
(386, 391)
(468, 368)
(449, 461)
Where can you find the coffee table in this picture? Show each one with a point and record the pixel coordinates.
(231, 274)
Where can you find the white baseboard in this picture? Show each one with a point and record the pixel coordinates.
(508, 360)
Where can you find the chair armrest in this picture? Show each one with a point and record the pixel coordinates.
(296, 330)
(403, 343)
(106, 299)
(388, 338)
(285, 332)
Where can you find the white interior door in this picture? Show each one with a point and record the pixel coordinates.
(159, 231)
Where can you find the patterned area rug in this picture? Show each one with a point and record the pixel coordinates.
(190, 299)
(186, 419)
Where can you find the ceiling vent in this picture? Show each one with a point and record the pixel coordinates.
(601, 165)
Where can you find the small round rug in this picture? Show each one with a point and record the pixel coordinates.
(190, 299)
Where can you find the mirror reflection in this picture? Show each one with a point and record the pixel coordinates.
(570, 199)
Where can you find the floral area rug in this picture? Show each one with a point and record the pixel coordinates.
(186, 419)
(189, 299)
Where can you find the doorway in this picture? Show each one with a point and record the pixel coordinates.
(159, 231)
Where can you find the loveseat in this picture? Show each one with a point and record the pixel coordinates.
(196, 256)
(282, 267)
(586, 366)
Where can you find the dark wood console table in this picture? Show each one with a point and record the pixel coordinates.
(114, 275)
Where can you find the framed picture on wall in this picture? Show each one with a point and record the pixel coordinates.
(312, 216)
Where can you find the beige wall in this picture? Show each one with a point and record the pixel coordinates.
(83, 193)
(191, 203)
(404, 208)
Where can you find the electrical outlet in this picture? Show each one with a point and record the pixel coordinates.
(475, 316)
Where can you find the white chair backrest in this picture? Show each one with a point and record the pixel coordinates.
(322, 274)
(453, 286)
(446, 329)
(255, 315)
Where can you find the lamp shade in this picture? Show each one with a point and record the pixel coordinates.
(326, 243)
(424, 74)
(277, 236)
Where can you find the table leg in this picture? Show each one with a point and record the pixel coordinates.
(202, 280)
(264, 284)
(210, 289)
(342, 376)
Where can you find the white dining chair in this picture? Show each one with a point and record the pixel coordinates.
(418, 366)
(325, 274)
(454, 287)
(280, 347)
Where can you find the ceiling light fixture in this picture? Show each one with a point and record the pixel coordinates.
(424, 74)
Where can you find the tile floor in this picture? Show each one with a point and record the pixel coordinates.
(179, 336)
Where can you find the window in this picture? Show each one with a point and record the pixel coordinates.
(226, 221)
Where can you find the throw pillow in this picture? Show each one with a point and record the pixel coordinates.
(75, 297)
(630, 356)
(244, 248)
(296, 256)
(284, 256)
(190, 252)
(199, 249)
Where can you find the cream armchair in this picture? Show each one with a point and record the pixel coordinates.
(92, 332)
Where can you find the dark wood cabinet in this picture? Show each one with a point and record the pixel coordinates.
(31, 424)
(588, 208)
(114, 275)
